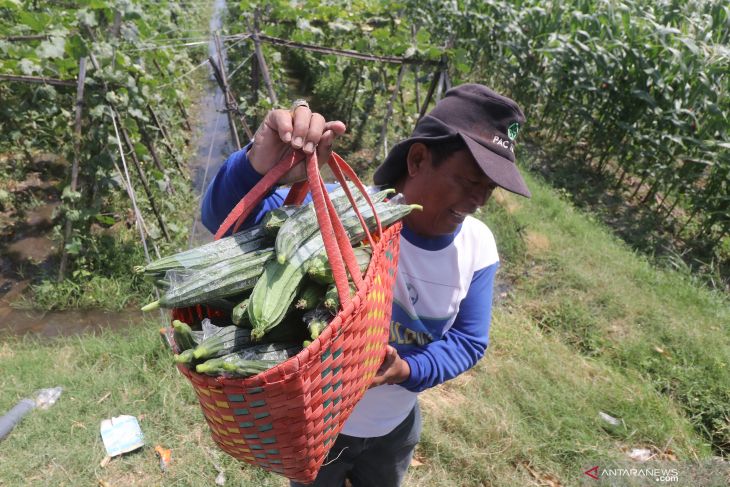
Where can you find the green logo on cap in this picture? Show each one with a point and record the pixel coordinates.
(513, 130)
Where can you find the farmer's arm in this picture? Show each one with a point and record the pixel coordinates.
(234, 179)
(463, 345)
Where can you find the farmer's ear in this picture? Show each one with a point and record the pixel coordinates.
(418, 154)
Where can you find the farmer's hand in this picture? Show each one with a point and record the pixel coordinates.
(394, 369)
(283, 130)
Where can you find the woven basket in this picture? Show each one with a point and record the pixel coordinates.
(286, 419)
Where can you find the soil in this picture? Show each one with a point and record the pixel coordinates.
(27, 251)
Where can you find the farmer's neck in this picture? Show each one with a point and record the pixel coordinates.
(420, 222)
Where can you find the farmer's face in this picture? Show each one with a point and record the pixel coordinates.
(448, 192)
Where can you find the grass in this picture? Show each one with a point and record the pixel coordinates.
(582, 325)
(127, 372)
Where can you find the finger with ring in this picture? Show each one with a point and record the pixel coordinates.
(298, 103)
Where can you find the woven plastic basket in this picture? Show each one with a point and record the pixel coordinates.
(286, 419)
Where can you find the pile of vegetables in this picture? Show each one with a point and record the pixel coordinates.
(273, 281)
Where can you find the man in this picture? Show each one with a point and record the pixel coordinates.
(457, 155)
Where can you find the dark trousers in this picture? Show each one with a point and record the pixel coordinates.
(371, 462)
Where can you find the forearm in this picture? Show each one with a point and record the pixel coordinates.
(461, 347)
(232, 182)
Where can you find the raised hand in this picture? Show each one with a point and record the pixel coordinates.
(283, 130)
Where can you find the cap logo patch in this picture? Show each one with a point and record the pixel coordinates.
(513, 130)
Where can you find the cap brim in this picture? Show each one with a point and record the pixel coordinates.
(502, 171)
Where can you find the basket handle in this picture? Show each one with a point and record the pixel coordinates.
(336, 242)
(243, 209)
(297, 193)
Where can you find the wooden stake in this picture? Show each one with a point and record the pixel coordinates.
(166, 139)
(220, 75)
(140, 172)
(75, 166)
(262, 64)
(180, 106)
(429, 94)
(389, 113)
(149, 143)
(39, 80)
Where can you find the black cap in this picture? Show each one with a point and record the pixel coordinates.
(488, 124)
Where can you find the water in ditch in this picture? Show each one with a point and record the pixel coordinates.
(213, 136)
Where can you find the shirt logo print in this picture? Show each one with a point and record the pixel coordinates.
(412, 293)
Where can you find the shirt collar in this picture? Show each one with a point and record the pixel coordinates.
(429, 243)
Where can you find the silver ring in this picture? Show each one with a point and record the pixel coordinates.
(298, 103)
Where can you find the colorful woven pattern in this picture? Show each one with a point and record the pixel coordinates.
(286, 419)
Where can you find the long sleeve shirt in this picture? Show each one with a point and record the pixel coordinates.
(441, 308)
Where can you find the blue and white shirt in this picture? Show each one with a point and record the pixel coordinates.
(442, 303)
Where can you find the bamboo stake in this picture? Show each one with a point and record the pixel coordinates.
(185, 117)
(262, 65)
(220, 75)
(694, 213)
(180, 106)
(674, 205)
(384, 129)
(246, 128)
(117, 25)
(338, 52)
(354, 95)
(115, 117)
(166, 139)
(148, 142)
(415, 83)
(231, 104)
(429, 94)
(32, 37)
(447, 80)
(368, 106)
(255, 69)
(414, 31)
(75, 167)
(440, 86)
(39, 80)
(127, 182)
(140, 172)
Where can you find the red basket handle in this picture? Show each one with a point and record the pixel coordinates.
(336, 242)
(297, 193)
(243, 209)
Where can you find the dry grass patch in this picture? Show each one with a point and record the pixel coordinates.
(447, 395)
(6, 351)
(64, 358)
(507, 201)
(537, 243)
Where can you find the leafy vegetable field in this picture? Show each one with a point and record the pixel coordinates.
(632, 95)
(93, 88)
